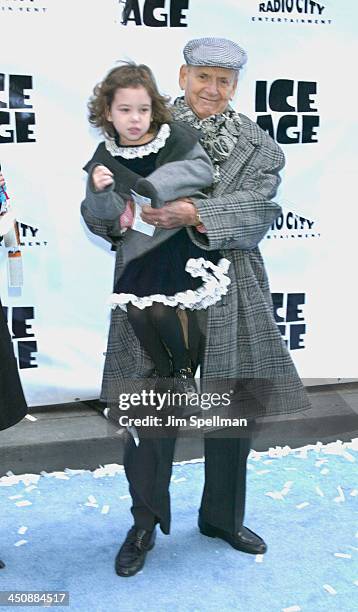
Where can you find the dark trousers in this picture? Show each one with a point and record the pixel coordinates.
(148, 469)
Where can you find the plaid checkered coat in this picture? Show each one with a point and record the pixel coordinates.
(242, 337)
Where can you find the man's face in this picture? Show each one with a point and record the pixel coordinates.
(207, 89)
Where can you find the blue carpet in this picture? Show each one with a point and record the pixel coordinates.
(302, 502)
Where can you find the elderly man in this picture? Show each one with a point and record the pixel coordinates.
(238, 339)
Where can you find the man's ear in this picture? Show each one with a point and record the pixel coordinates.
(234, 86)
(183, 76)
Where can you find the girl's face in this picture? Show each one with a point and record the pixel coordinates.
(131, 114)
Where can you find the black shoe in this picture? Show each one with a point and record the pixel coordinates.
(2, 565)
(131, 556)
(244, 540)
(184, 381)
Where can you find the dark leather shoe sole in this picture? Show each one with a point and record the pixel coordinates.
(132, 571)
(252, 548)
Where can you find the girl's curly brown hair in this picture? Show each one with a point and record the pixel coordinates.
(127, 75)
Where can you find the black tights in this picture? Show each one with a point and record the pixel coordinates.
(158, 329)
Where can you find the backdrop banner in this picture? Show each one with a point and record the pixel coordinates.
(53, 52)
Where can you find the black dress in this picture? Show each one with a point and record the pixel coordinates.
(176, 273)
(12, 401)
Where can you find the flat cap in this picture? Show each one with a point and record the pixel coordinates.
(218, 52)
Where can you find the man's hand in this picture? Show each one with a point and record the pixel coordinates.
(2, 180)
(102, 177)
(173, 214)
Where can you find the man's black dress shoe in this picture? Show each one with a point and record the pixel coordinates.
(2, 564)
(131, 556)
(244, 540)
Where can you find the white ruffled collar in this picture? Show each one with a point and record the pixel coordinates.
(141, 150)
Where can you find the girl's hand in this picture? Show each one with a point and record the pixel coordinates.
(102, 177)
(126, 218)
(2, 180)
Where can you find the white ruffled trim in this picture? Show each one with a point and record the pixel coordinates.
(141, 150)
(215, 285)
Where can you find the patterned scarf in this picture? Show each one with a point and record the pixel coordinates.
(219, 132)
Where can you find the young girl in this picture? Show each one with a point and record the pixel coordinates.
(146, 152)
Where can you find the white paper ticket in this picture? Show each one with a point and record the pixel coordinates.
(138, 224)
